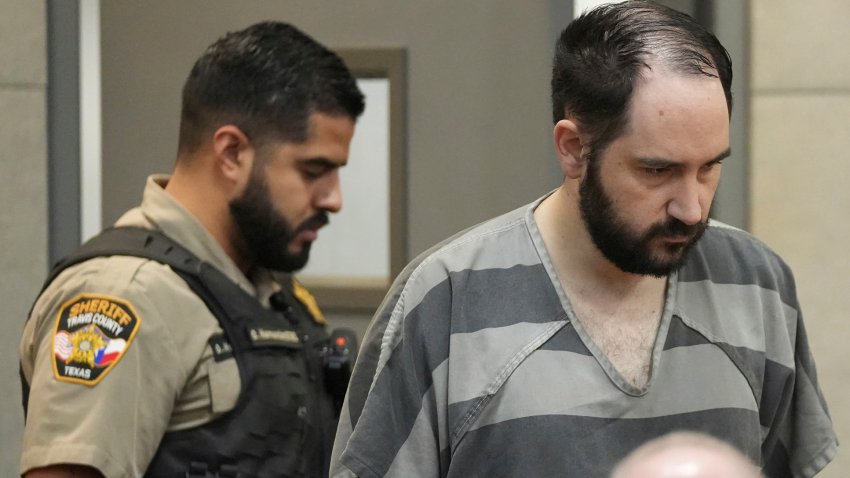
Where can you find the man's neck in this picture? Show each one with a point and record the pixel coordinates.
(573, 253)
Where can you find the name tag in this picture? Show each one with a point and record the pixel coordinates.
(271, 337)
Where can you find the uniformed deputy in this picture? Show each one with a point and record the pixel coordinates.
(172, 345)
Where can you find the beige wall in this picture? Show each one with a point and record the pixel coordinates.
(23, 221)
(800, 197)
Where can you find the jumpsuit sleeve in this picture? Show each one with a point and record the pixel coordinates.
(393, 419)
(800, 439)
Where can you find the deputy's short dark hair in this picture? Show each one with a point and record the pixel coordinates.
(266, 79)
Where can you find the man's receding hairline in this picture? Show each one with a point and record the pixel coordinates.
(659, 66)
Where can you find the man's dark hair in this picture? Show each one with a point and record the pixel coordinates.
(266, 79)
(601, 54)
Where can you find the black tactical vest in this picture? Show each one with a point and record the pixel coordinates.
(283, 422)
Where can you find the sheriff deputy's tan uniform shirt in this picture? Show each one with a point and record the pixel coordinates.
(159, 376)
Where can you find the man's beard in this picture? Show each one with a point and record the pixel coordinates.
(265, 234)
(631, 251)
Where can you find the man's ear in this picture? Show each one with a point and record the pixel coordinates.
(569, 145)
(234, 154)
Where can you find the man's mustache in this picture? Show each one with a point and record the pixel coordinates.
(675, 227)
(314, 222)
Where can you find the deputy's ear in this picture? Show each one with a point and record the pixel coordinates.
(234, 153)
(569, 145)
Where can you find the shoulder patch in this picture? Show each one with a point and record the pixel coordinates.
(306, 298)
(92, 333)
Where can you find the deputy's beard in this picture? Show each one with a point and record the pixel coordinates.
(264, 233)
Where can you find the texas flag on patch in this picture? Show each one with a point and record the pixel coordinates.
(93, 332)
(108, 353)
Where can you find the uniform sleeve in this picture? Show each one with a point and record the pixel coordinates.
(800, 439)
(392, 423)
(102, 365)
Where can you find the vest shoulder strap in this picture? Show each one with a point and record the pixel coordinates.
(132, 241)
(226, 300)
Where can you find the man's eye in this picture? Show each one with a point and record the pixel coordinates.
(655, 171)
(711, 165)
(313, 173)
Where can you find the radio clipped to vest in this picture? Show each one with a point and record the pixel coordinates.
(338, 358)
(336, 352)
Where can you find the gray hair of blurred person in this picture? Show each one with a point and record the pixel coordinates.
(686, 455)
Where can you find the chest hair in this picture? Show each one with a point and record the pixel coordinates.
(625, 331)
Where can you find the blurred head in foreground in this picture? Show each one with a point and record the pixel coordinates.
(686, 455)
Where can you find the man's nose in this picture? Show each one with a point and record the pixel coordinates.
(686, 205)
(329, 196)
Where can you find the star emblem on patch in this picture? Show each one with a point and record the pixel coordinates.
(93, 331)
